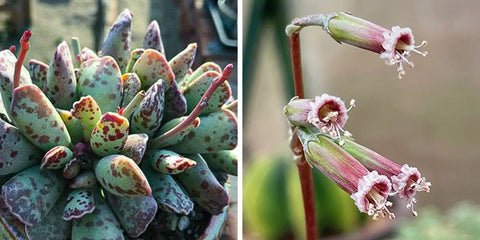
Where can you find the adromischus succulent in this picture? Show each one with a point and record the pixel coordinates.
(92, 141)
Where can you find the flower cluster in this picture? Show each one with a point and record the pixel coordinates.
(367, 176)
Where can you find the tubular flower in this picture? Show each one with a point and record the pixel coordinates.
(369, 190)
(327, 113)
(394, 45)
(406, 180)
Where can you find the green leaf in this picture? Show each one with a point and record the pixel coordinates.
(110, 134)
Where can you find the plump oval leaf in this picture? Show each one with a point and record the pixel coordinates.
(110, 134)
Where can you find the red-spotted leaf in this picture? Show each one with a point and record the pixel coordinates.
(87, 111)
(16, 152)
(168, 194)
(79, 203)
(203, 187)
(183, 61)
(56, 158)
(135, 147)
(153, 38)
(61, 81)
(134, 56)
(131, 86)
(133, 214)
(52, 226)
(101, 79)
(152, 66)
(208, 66)
(32, 193)
(121, 176)
(224, 161)
(38, 72)
(74, 126)
(72, 168)
(217, 131)
(83, 180)
(117, 41)
(156, 143)
(87, 54)
(148, 116)
(197, 87)
(175, 103)
(169, 162)
(37, 118)
(110, 134)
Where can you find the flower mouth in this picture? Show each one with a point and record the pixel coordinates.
(407, 183)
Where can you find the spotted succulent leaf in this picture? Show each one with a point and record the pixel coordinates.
(152, 66)
(131, 86)
(87, 54)
(52, 226)
(83, 180)
(224, 161)
(134, 56)
(153, 38)
(32, 193)
(175, 103)
(208, 66)
(37, 118)
(155, 143)
(73, 124)
(183, 61)
(148, 116)
(169, 162)
(101, 79)
(56, 158)
(135, 147)
(79, 203)
(61, 81)
(121, 176)
(72, 168)
(110, 134)
(117, 41)
(38, 72)
(87, 111)
(133, 214)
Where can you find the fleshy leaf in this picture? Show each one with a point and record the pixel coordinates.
(61, 81)
(175, 103)
(168, 194)
(7, 67)
(203, 187)
(110, 134)
(72, 168)
(56, 158)
(131, 86)
(74, 126)
(88, 112)
(117, 41)
(36, 117)
(83, 180)
(100, 224)
(169, 162)
(52, 226)
(183, 61)
(224, 161)
(32, 193)
(153, 38)
(152, 66)
(134, 56)
(135, 147)
(101, 79)
(79, 203)
(121, 176)
(87, 54)
(195, 90)
(208, 66)
(148, 116)
(38, 72)
(16, 152)
(178, 137)
(134, 214)
(217, 131)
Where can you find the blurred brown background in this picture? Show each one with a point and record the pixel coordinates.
(428, 119)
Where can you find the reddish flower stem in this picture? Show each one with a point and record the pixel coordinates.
(304, 170)
(24, 46)
(202, 104)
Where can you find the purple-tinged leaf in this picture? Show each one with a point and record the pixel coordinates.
(72, 168)
(175, 103)
(36, 117)
(87, 111)
(152, 66)
(61, 81)
(133, 214)
(101, 79)
(38, 73)
(74, 126)
(52, 226)
(154, 143)
(121, 176)
(153, 38)
(224, 161)
(110, 134)
(79, 203)
(183, 61)
(32, 193)
(203, 187)
(117, 41)
(168, 194)
(16, 152)
(169, 162)
(217, 131)
(148, 116)
(56, 158)
(83, 180)
(87, 54)
(135, 147)
(215, 227)
(131, 86)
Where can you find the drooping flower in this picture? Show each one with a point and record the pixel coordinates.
(406, 180)
(394, 45)
(369, 190)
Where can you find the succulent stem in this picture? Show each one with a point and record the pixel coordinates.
(128, 110)
(202, 104)
(24, 46)
(76, 51)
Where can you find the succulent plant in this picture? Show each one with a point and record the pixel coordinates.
(99, 146)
